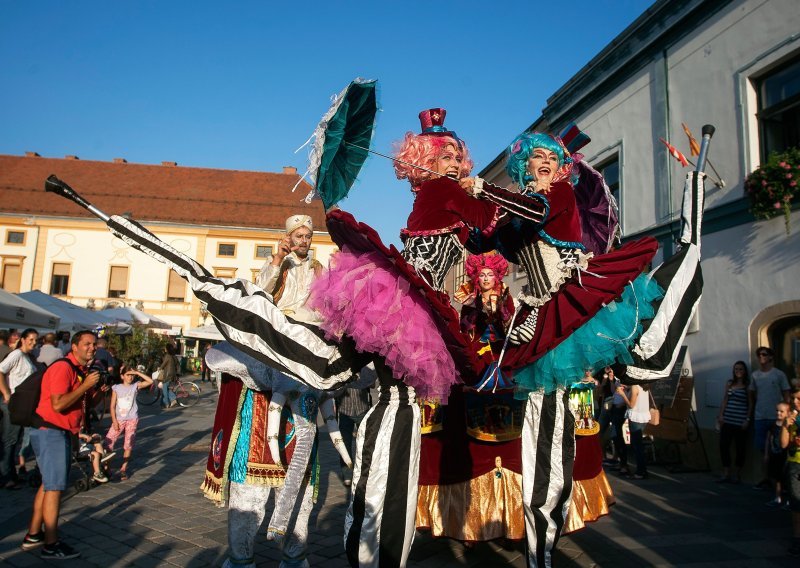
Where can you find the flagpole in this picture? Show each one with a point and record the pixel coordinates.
(719, 182)
(695, 150)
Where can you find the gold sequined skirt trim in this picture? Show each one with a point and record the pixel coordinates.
(591, 499)
(484, 508)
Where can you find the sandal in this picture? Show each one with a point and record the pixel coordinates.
(123, 476)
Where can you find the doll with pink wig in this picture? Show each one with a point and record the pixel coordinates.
(475, 448)
(487, 305)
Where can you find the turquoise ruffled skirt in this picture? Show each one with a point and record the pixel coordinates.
(603, 340)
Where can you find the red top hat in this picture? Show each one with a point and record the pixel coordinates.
(432, 123)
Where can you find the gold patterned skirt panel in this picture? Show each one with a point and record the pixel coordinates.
(591, 499)
(484, 508)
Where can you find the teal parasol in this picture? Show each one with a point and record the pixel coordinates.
(341, 142)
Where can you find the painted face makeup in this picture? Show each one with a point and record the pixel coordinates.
(486, 280)
(448, 162)
(301, 238)
(543, 165)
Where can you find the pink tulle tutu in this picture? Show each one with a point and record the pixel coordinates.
(364, 296)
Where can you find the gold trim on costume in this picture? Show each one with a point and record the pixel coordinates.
(591, 499)
(484, 508)
(431, 415)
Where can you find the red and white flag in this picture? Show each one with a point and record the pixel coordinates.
(675, 153)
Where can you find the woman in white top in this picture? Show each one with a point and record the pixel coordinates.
(638, 415)
(15, 368)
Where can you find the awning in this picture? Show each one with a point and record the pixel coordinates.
(131, 315)
(19, 313)
(204, 332)
(73, 318)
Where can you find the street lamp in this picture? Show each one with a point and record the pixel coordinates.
(203, 313)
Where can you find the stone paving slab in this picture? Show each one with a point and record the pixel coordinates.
(160, 518)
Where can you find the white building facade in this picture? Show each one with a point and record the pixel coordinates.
(733, 64)
(45, 247)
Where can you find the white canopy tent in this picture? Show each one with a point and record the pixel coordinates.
(73, 318)
(131, 315)
(204, 332)
(18, 313)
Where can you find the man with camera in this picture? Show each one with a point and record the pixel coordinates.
(66, 386)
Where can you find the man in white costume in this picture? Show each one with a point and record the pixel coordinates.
(288, 275)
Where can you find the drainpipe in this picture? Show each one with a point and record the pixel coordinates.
(667, 131)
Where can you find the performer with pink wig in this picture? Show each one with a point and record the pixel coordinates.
(393, 304)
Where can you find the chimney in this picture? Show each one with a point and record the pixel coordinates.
(71, 157)
(290, 170)
(120, 161)
(32, 155)
(169, 164)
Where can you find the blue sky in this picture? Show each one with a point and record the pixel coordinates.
(241, 85)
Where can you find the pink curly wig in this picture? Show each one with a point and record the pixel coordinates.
(492, 260)
(422, 150)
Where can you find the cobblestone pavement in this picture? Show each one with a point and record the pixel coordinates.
(160, 518)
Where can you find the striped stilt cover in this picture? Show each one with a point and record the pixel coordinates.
(380, 520)
(548, 455)
(681, 278)
(247, 317)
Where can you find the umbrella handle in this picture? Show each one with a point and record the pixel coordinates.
(708, 132)
(55, 185)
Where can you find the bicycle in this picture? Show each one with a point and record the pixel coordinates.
(186, 393)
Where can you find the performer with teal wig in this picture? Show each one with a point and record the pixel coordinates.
(581, 308)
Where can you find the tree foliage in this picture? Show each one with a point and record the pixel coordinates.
(140, 347)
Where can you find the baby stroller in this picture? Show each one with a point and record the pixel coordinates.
(81, 462)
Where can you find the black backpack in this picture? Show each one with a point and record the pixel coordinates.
(25, 399)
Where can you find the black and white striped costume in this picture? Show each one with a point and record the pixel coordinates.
(379, 525)
(246, 316)
(681, 278)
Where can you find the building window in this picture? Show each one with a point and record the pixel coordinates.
(176, 289)
(15, 237)
(263, 251)
(226, 249)
(225, 272)
(779, 109)
(610, 172)
(459, 272)
(11, 276)
(59, 282)
(118, 282)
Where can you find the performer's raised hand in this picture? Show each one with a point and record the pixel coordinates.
(284, 248)
(467, 184)
(472, 185)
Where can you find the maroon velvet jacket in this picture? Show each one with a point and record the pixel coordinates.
(563, 222)
(441, 206)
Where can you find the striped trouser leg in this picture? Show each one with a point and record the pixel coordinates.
(379, 525)
(548, 454)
